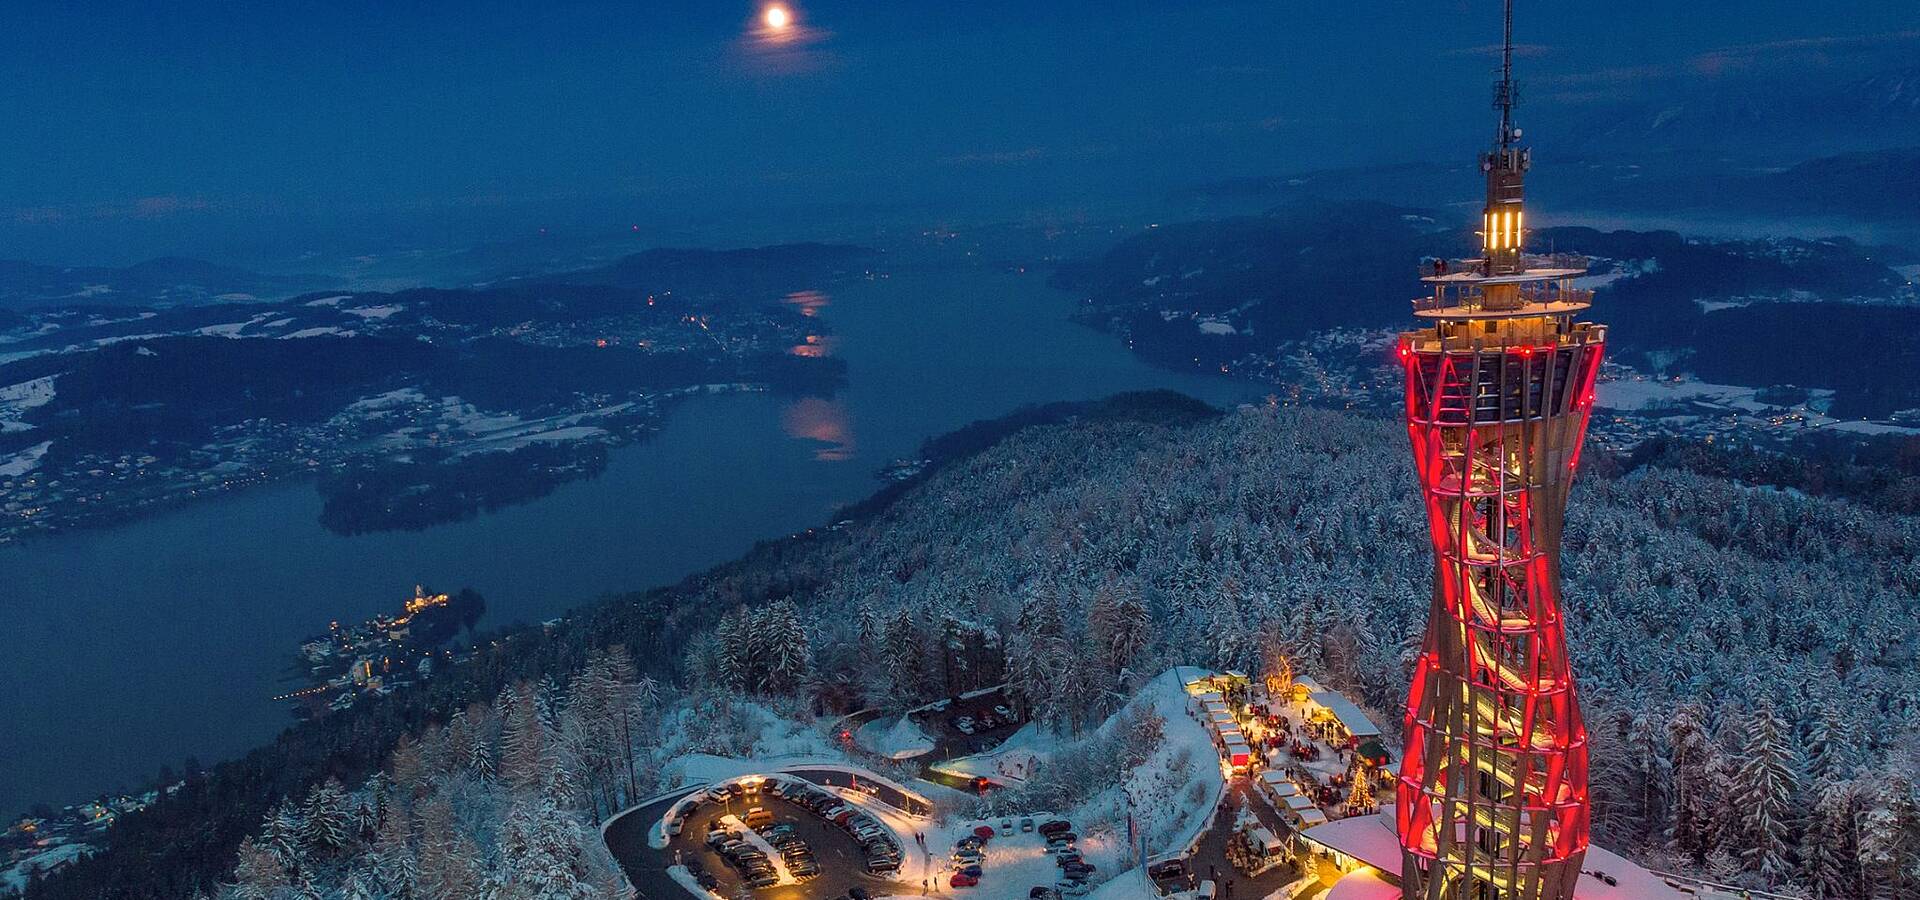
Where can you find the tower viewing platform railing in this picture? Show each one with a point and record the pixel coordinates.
(1540, 292)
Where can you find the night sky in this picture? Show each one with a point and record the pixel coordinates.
(145, 112)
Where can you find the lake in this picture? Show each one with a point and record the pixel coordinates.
(143, 644)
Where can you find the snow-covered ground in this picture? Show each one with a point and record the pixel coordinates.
(1170, 797)
(16, 399)
(894, 738)
(1640, 394)
(15, 879)
(324, 330)
(1631, 395)
(24, 461)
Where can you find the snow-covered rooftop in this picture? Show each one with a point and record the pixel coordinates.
(1350, 716)
(1365, 884)
(1371, 840)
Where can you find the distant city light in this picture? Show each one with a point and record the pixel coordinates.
(777, 17)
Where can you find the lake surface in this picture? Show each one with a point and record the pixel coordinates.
(136, 646)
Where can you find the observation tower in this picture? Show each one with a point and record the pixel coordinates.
(1492, 797)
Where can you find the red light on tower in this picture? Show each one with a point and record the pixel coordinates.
(1492, 797)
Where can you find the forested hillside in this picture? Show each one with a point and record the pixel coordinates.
(1747, 655)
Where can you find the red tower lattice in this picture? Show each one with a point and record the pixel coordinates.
(1492, 797)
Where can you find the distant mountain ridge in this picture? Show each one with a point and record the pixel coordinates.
(162, 281)
(744, 272)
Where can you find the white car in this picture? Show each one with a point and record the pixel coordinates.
(1006, 827)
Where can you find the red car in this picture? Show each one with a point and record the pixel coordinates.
(984, 832)
(962, 879)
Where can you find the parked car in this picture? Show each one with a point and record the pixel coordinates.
(1003, 712)
(983, 832)
(758, 817)
(1167, 869)
(1207, 890)
(1043, 893)
(964, 725)
(1026, 825)
(1006, 827)
(1074, 888)
(1055, 827)
(962, 879)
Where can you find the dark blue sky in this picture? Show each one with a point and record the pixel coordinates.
(148, 112)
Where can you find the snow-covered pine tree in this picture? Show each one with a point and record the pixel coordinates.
(732, 653)
(1828, 748)
(789, 655)
(258, 873)
(525, 753)
(404, 763)
(904, 654)
(1767, 797)
(479, 762)
(539, 855)
(361, 884)
(448, 862)
(1890, 841)
(328, 825)
(1118, 626)
(1694, 759)
(282, 834)
(392, 857)
(1649, 775)
(1830, 850)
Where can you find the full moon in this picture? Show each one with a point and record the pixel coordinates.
(777, 17)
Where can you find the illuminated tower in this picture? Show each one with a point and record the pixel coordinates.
(1493, 784)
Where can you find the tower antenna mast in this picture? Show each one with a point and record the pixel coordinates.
(1506, 93)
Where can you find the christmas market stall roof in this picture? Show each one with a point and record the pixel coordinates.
(1367, 839)
(1351, 718)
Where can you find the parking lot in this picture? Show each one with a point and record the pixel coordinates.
(987, 716)
(835, 852)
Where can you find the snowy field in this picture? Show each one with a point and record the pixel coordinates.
(24, 461)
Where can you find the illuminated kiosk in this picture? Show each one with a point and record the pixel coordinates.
(1492, 795)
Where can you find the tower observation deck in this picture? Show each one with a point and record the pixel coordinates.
(1492, 800)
